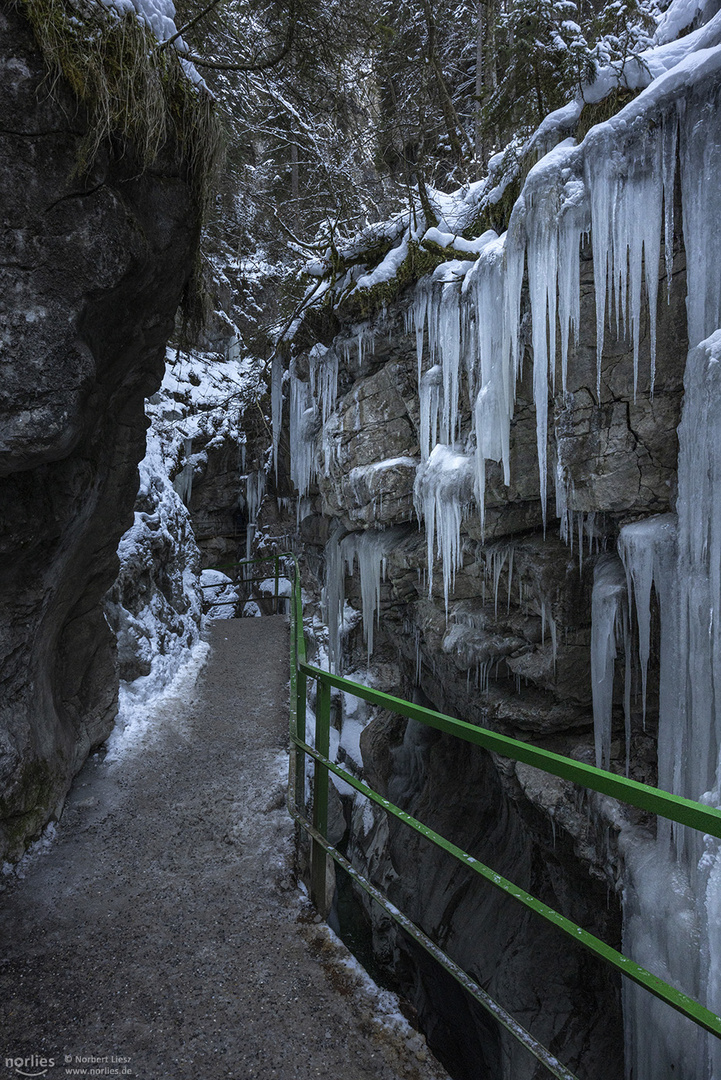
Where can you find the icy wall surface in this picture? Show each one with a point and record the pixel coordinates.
(523, 400)
(92, 273)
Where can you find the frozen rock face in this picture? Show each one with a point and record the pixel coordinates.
(505, 642)
(155, 605)
(91, 273)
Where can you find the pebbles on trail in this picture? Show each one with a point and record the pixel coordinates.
(160, 935)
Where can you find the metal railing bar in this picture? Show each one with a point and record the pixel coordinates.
(654, 800)
(660, 989)
(539, 1051)
(706, 819)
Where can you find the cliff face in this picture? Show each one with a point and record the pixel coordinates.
(91, 273)
(509, 648)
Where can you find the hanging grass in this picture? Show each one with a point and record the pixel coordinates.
(135, 92)
(137, 96)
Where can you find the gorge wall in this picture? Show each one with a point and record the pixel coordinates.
(91, 274)
(512, 651)
(473, 495)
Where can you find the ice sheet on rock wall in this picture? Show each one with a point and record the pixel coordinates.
(442, 494)
(648, 551)
(323, 364)
(183, 481)
(609, 629)
(303, 430)
(699, 572)
(254, 494)
(672, 922)
(700, 156)
(276, 405)
(661, 932)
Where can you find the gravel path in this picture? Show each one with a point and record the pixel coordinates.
(161, 933)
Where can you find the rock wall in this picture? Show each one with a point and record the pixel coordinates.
(92, 269)
(512, 652)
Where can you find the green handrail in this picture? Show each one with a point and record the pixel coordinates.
(673, 807)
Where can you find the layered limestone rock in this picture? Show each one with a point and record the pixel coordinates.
(91, 272)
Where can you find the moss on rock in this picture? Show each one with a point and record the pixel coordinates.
(131, 87)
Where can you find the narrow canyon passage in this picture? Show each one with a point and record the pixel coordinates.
(160, 936)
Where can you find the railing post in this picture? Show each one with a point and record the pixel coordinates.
(276, 583)
(301, 690)
(318, 858)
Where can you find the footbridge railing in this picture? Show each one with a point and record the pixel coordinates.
(672, 807)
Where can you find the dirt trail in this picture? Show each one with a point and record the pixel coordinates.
(161, 936)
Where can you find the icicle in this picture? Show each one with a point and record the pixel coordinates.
(276, 404)
(607, 603)
(431, 398)
(323, 366)
(415, 318)
(441, 495)
(496, 370)
(555, 219)
(183, 482)
(333, 599)
(700, 154)
(303, 428)
(449, 333)
(670, 145)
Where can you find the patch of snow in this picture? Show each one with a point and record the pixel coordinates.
(166, 690)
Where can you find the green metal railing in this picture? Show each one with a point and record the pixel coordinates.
(654, 800)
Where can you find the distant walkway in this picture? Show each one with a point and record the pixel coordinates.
(162, 933)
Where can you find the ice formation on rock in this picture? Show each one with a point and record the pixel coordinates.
(442, 494)
(673, 901)
(276, 405)
(370, 550)
(609, 614)
(254, 494)
(303, 428)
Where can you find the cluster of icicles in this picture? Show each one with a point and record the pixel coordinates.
(617, 188)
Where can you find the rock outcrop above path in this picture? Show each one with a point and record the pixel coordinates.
(92, 268)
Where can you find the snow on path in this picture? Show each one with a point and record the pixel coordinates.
(162, 931)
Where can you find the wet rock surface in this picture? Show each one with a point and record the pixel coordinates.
(162, 930)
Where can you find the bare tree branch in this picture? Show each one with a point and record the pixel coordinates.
(190, 25)
(261, 65)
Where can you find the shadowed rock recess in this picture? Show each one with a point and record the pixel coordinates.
(92, 269)
(511, 650)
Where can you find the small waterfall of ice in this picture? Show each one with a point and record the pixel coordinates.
(254, 494)
(183, 482)
(672, 921)
(303, 430)
(610, 626)
(276, 404)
